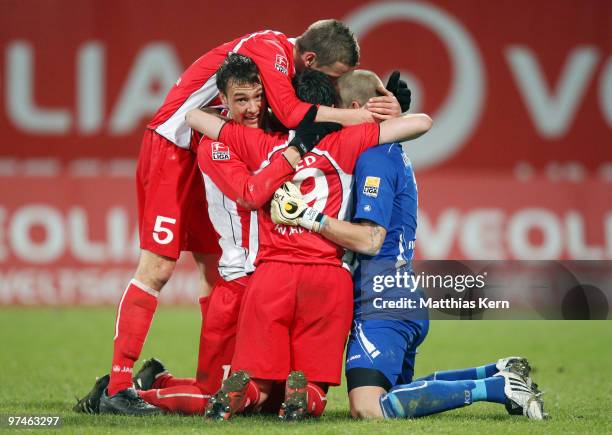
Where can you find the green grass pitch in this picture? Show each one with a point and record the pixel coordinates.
(49, 355)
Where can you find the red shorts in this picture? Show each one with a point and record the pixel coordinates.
(172, 210)
(294, 317)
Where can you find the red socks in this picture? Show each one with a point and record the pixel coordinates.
(178, 395)
(316, 400)
(185, 399)
(218, 334)
(251, 396)
(166, 380)
(134, 316)
(203, 368)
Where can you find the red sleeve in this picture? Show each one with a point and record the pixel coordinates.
(275, 66)
(232, 175)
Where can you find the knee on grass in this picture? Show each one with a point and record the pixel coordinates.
(366, 411)
(365, 402)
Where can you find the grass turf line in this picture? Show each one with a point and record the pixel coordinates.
(49, 355)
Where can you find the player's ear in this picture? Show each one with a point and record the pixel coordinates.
(223, 99)
(309, 58)
(355, 105)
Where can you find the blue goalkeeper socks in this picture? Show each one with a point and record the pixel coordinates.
(422, 398)
(489, 390)
(471, 373)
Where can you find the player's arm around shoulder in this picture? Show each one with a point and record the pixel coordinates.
(405, 127)
(345, 117)
(289, 208)
(206, 122)
(364, 237)
(374, 189)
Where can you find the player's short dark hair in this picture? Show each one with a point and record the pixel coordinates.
(332, 41)
(315, 87)
(238, 69)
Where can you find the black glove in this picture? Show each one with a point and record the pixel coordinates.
(400, 90)
(309, 133)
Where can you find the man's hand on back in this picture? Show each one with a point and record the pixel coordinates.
(309, 133)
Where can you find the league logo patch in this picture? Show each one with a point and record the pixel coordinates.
(220, 151)
(282, 64)
(370, 188)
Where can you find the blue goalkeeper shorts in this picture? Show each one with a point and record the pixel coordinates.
(382, 352)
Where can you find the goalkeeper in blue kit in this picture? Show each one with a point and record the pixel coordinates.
(383, 343)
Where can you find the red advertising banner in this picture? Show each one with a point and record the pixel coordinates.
(81, 246)
(518, 164)
(507, 83)
(498, 218)
(73, 239)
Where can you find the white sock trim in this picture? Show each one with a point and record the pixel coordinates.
(145, 288)
(119, 312)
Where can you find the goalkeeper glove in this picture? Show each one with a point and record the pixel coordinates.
(309, 133)
(399, 88)
(288, 208)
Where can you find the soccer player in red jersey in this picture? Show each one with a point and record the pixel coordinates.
(232, 191)
(299, 295)
(170, 196)
(230, 211)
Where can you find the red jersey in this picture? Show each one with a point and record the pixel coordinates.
(271, 51)
(233, 192)
(324, 177)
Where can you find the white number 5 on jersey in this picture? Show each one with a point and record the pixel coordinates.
(159, 229)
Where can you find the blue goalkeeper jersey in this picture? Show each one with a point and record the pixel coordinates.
(385, 192)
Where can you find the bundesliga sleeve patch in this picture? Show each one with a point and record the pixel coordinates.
(220, 151)
(282, 64)
(370, 188)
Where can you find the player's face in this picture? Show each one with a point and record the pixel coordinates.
(246, 103)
